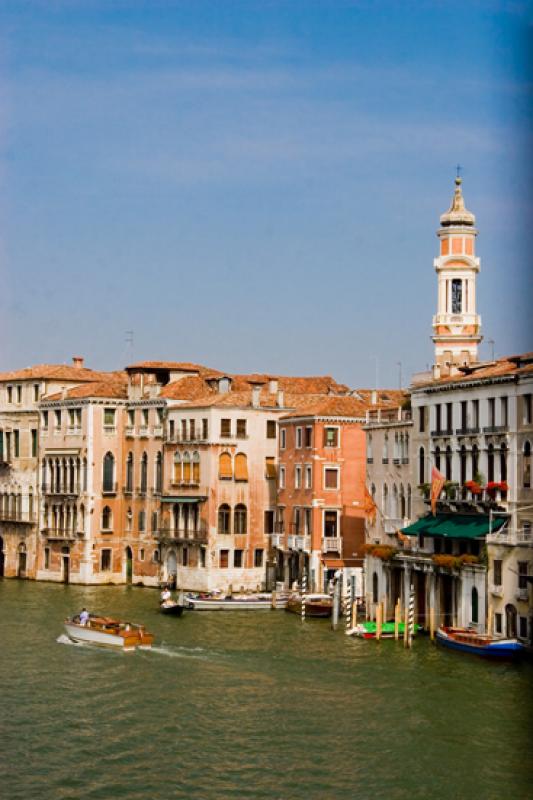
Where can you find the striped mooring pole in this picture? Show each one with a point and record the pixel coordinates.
(411, 616)
(348, 606)
(304, 592)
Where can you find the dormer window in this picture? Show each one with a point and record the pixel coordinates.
(224, 385)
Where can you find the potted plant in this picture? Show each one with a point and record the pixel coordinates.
(446, 561)
(450, 489)
(474, 488)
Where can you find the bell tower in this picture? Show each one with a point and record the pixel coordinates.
(456, 326)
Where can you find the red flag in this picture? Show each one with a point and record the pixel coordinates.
(370, 507)
(437, 482)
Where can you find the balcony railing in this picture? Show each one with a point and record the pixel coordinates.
(167, 534)
(303, 543)
(62, 491)
(442, 432)
(511, 537)
(158, 431)
(109, 429)
(74, 430)
(130, 431)
(467, 431)
(110, 489)
(496, 589)
(332, 544)
(192, 482)
(61, 534)
(522, 593)
(21, 517)
(196, 438)
(495, 428)
(144, 431)
(291, 541)
(276, 539)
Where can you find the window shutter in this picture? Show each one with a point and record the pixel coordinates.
(241, 467)
(271, 471)
(224, 466)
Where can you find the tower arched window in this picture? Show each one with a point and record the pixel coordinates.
(463, 459)
(394, 510)
(108, 477)
(224, 518)
(503, 461)
(186, 467)
(448, 463)
(475, 461)
(402, 501)
(240, 519)
(385, 509)
(490, 463)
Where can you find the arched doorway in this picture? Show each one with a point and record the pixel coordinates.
(21, 565)
(65, 564)
(1, 557)
(129, 565)
(510, 621)
(172, 568)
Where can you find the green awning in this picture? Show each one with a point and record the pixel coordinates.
(182, 499)
(455, 526)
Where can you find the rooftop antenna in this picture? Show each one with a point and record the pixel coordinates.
(128, 354)
(399, 364)
(491, 342)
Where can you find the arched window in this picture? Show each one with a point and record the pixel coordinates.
(490, 463)
(129, 518)
(71, 476)
(394, 510)
(82, 519)
(196, 467)
(402, 502)
(437, 457)
(374, 587)
(224, 514)
(406, 448)
(158, 483)
(84, 474)
(475, 605)
(526, 466)
(369, 448)
(129, 473)
(144, 473)
(421, 466)
(385, 448)
(30, 503)
(142, 520)
(241, 467)
(463, 464)
(385, 509)
(503, 462)
(448, 463)
(239, 519)
(396, 454)
(186, 468)
(475, 461)
(107, 519)
(225, 470)
(108, 473)
(409, 501)
(373, 492)
(177, 467)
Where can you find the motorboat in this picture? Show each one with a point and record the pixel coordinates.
(172, 608)
(368, 630)
(234, 602)
(481, 644)
(316, 605)
(109, 632)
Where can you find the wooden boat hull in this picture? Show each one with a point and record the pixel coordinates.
(468, 642)
(320, 609)
(104, 632)
(367, 630)
(228, 604)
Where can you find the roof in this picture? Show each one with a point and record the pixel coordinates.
(172, 366)
(310, 384)
(512, 366)
(458, 214)
(455, 526)
(113, 389)
(354, 405)
(60, 372)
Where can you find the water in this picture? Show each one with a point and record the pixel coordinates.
(247, 705)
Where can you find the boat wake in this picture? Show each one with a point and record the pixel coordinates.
(181, 652)
(64, 639)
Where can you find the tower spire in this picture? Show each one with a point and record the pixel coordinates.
(456, 326)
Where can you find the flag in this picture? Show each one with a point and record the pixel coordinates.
(403, 538)
(369, 507)
(437, 482)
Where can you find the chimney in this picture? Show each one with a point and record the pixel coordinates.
(77, 361)
(374, 398)
(272, 386)
(281, 398)
(256, 394)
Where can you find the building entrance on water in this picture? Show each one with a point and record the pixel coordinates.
(129, 565)
(65, 565)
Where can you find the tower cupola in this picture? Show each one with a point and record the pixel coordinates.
(456, 325)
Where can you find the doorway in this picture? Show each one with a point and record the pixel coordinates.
(1, 557)
(65, 564)
(510, 621)
(172, 568)
(21, 566)
(129, 565)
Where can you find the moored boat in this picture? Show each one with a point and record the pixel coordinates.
(368, 630)
(468, 640)
(316, 605)
(255, 602)
(109, 632)
(171, 608)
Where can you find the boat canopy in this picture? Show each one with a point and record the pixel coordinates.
(455, 526)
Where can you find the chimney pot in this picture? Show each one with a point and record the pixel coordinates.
(78, 361)
(256, 394)
(281, 399)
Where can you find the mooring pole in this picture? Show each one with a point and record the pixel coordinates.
(411, 616)
(336, 601)
(304, 592)
(348, 607)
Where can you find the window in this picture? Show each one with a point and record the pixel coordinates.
(448, 463)
(330, 524)
(35, 392)
(156, 556)
(241, 467)
(270, 467)
(475, 413)
(283, 438)
(269, 522)
(224, 513)
(526, 466)
(475, 461)
(19, 394)
(258, 557)
(109, 417)
(522, 574)
(498, 623)
(298, 477)
(308, 476)
(142, 521)
(224, 559)
(241, 429)
(16, 443)
(205, 429)
(177, 467)
(144, 473)
(153, 521)
(438, 424)
(497, 572)
(183, 430)
(9, 394)
(299, 438)
(492, 411)
(108, 476)
(44, 418)
(145, 417)
(158, 472)
(437, 457)
(237, 558)
(107, 519)
(490, 463)
(504, 411)
(522, 627)
(421, 466)
(422, 419)
(141, 554)
(185, 557)
(374, 587)
(282, 477)
(131, 417)
(526, 409)
(449, 416)
(331, 478)
(225, 470)
(385, 451)
(331, 437)
(105, 560)
(464, 414)
(186, 468)
(474, 603)
(47, 558)
(462, 461)
(225, 428)
(457, 296)
(369, 452)
(57, 418)
(129, 518)
(196, 467)
(240, 519)
(503, 462)
(308, 436)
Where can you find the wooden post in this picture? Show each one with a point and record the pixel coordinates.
(489, 619)
(397, 612)
(303, 594)
(379, 620)
(336, 602)
(431, 623)
(405, 625)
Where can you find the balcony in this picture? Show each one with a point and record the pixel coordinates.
(467, 431)
(130, 431)
(332, 544)
(511, 538)
(522, 594)
(158, 431)
(74, 430)
(496, 590)
(60, 534)
(110, 489)
(303, 543)
(384, 460)
(180, 438)
(291, 541)
(144, 431)
(62, 491)
(184, 489)
(110, 429)
(20, 517)
(442, 432)
(495, 428)
(396, 460)
(167, 535)
(276, 540)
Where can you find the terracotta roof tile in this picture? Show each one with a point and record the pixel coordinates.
(172, 366)
(508, 365)
(60, 372)
(114, 389)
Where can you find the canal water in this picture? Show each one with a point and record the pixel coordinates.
(247, 705)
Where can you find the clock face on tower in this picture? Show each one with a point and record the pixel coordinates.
(457, 296)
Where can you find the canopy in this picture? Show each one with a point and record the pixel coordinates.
(455, 526)
(168, 499)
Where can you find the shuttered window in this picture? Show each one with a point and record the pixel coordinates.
(196, 467)
(186, 468)
(239, 519)
(241, 467)
(270, 468)
(224, 466)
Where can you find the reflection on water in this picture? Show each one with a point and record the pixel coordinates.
(247, 705)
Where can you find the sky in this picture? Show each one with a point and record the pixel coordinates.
(256, 185)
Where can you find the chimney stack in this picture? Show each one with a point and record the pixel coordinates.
(374, 398)
(256, 394)
(77, 361)
(281, 398)
(272, 386)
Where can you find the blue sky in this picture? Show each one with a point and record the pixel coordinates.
(256, 185)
